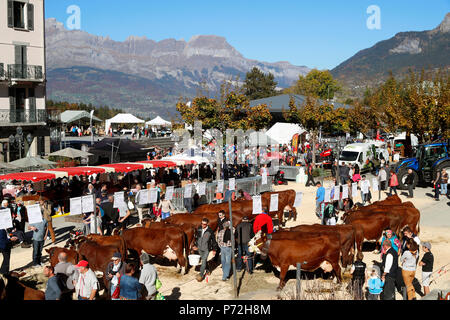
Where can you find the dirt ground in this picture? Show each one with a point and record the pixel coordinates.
(261, 285)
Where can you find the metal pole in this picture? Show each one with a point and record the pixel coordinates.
(95, 214)
(299, 272)
(112, 153)
(233, 261)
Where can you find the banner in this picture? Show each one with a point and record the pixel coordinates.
(295, 140)
(257, 204)
(75, 206)
(298, 199)
(337, 191)
(34, 213)
(273, 202)
(5, 219)
(169, 193)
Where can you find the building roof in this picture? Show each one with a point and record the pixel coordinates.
(281, 102)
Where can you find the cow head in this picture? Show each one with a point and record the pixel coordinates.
(257, 242)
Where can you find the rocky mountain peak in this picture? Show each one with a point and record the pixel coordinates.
(445, 24)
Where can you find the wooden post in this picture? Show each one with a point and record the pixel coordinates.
(299, 272)
(233, 261)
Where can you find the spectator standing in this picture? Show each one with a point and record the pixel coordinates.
(409, 261)
(148, 277)
(263, 222)
(68, 269)
(382, 177)
(389, 266)
(409, 181)
(444, 183)
(393, 183)
(320, 199)
(166, 207)
(224, 242)
(358, 272)
(204, 234)
(244, 233)
(114, 271)
(437, 182)
(375, 284)
(5, 249)
(395, 242)
(39, 230)
(130, 288)
(309, 172)
(408, 234)
(52, 290)
(427, 266)
(46, 209)
(221, 220)
(139, 207)
(188, 202)
(87, 284)
(229, 194)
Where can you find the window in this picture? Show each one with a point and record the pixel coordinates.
(17, 17)
(19, 14)
(348, 156)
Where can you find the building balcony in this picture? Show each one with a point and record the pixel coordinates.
(27, 117)
(20, 72)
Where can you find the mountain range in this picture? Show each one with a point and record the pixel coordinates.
(143, 75)
(406, 50)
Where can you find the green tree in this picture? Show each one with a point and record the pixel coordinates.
(318, 84)
(292, 115)
(258, 85)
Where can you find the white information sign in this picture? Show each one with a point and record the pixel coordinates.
(337, 191)
(273, 202)
(257, 205)
(153, 195)
(5, 219)
(232, 184)
(188, 191)
(34, 213)
(75, 206)
(169, 193)
(87, 203)
(354, 190)
(365, 184)
(220, 186)
(298, 199)
(264, 177)
(327, 195)
(119, 199)
(144, 196)
(345, 191)
(374, 184)
(201, 188)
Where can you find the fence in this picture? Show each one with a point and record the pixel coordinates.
(251, 185)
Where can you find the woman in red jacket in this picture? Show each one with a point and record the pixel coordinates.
(264, 223)
(393, 183)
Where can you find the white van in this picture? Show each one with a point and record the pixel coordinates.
(356, 153)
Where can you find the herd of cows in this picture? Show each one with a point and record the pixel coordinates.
(316, 246)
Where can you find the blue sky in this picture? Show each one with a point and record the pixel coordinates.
(318, 34)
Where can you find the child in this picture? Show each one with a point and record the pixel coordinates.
(375, 284)
(427, 266)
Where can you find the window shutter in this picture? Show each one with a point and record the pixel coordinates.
(10, 14)
(30, 16)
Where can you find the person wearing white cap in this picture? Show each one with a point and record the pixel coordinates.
(114, 270)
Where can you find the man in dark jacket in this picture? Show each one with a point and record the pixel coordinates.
(244, 232)
(358, 272)
(204, 234)
(410, 182)
(5, 249)
(110, 217)
(389, 266)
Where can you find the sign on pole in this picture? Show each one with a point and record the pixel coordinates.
(232, 184)
(188, 191)
(337, 191)
(87, 203)
(153, 195)
(257, 205)
(119, 198)
(354, 190)
(75, 206)
(344, 191)
(273, 202)
(5, 219)
(201, 187)
(143, 197)
(365, 184)
(374, 184)
(220, 186)
(34, 213)
(169, 193)
(327, 195)
(264, 177)
(298, 199)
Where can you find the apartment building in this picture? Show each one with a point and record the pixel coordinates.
(24, 121)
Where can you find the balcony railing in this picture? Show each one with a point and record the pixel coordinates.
(23, 116)
(2, 71)
(25, 72)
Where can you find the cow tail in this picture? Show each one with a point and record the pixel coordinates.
(124, 247)
(186, 248)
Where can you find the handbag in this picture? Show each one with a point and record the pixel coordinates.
(116, 293)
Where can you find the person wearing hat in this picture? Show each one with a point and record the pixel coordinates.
(114, 270)
(244, 233)
(87, 284)
(148, 276)
(427, 266)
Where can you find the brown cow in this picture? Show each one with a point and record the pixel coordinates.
(286, 199)
(115, 241)
(291, 247)
(11, 289)
(169, 242)
(188, 228)
(72, 255)
(349, 235)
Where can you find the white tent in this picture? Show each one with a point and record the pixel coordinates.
(283, 132)
(158, 121)
(122, 118)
